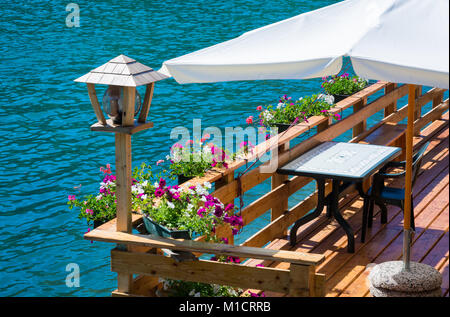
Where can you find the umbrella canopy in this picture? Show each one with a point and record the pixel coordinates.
(403, 41)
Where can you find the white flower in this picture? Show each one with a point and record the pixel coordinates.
(144, 183)
(191, 293)
(156, 184)
(201, 190)
(144, 197)
(329, 99)
(171, 205)
(207, 185)
(300, 99)
(189, 207)
(98, 197)
(280, 104)
(167, 157)
(197, 294)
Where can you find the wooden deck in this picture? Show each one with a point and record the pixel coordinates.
(346, 274)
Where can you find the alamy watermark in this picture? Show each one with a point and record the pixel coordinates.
(73, 278)
(73, 18)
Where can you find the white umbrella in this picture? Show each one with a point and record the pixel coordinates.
(402, 41)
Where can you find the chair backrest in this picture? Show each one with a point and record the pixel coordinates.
(417, 162)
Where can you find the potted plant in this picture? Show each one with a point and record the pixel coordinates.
(289, 111)
(101, 207)
(340, 87)
(177, 213)
(189, 161)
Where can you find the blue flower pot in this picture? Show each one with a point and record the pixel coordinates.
(159, 230)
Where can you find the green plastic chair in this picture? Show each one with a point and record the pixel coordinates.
(382, 195)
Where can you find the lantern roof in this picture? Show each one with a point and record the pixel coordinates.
(122, 71)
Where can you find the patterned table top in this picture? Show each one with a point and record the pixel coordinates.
(341, 160)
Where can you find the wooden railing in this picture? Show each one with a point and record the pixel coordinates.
(143, 255)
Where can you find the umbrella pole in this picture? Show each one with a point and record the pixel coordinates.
(408, 178)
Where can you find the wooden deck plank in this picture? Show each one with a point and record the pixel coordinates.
(388, 242)
(424, 240)
(436, 160)
(386, 236)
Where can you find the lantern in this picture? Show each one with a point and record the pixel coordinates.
(121, 101)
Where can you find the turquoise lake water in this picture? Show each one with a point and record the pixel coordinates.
(47, 148)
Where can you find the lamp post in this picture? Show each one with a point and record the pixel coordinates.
(122, 103)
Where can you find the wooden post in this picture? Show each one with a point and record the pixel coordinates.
(277, 180)
(129, 94)
(123, 183)
(302, 280)
(418, 112)
(438, 100)
(360, 127)
(392, 107)
(226, 179)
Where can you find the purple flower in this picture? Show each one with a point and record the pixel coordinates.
(159, 192)
(71, 197)
(218, 211)
(162, 182)
(229, 207)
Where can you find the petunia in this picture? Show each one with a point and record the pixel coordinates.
(71, 197)
(259, 108)
(249, 120)
(159, 162)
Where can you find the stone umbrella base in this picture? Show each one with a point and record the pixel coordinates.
(388, 279)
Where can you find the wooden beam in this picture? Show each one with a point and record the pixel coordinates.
(272, 279)
(147, 102)
(95, 104)
(205, 247)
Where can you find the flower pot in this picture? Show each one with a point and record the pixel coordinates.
(338, 98)
(159, 230)
(282, 127)
(98, 223)
(183, 179)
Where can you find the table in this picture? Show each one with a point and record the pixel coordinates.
(338, 161)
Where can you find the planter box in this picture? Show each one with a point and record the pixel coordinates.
(338, 98)
(159, 230)
(183, 179)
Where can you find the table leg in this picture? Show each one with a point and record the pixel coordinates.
(337, 215)
(312, 215)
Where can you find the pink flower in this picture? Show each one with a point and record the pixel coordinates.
(242, 144)
(338, 116)
(71, 197)
(89, 211)
(259, 108)
(200, 212)
(249, 120)
(189, 142)
(106, 170)
(159, 162)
